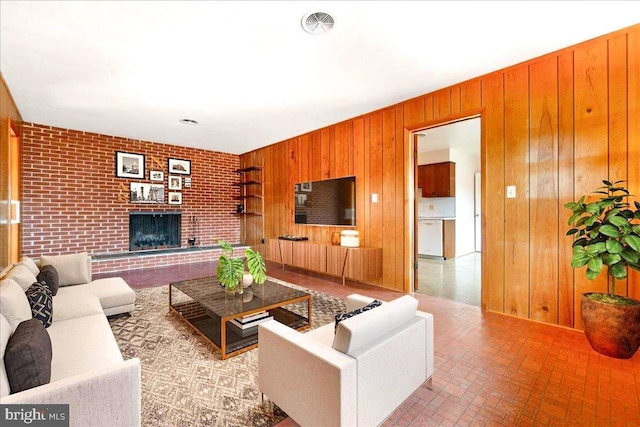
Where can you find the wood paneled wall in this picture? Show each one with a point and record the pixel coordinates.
(11, 121)
(554, 127)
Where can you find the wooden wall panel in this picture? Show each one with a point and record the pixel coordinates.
(633, 147)
(456, 104)
(554, 127)
(428, 109)
(9, 116)
(414, 112)
(326, 152)
(470, 95)
(543, 190)
(387, 199)
(343, 152)
(617, 76)
(316, 156)
(493, 237)
(401, 280)
(359, 172)
(442, 104)
(375, 167)
(304, 145)
(565, 189)
(591, 140)
(516, 173)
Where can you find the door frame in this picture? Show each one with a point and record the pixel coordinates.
(411, 211)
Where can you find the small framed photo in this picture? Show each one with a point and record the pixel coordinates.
(180, 166)
(129, 165)
(175, 198)
(187, 181)
(305, 186)
(156, 175)
(175, 182)
(146, 193)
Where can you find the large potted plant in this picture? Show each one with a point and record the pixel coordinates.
(607, 231)
(231, 269)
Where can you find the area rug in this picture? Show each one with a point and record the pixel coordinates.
(184, 381)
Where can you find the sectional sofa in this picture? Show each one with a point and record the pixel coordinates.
(86, 368)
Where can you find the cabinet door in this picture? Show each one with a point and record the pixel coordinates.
(428, 174)
(445, 180)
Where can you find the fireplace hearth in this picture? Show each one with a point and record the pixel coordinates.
(154, 230)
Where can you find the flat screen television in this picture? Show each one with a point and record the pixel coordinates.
(326, 202)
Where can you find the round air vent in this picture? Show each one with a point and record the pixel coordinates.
(317, 23)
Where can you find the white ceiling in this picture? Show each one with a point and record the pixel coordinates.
(249, 74)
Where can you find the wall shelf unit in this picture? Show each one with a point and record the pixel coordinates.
(250, 200)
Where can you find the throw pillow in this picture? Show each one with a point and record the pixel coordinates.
(14, 304)
(22, 276)
(41, 301)
(73, 269)
(49, 275)
(343, 316)
(30, 264)
(28, 356)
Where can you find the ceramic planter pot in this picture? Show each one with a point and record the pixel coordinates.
(612, 330)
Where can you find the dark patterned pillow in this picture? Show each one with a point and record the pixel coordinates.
(27, 357)
(49, 275)
(41, 301)
(342, 316)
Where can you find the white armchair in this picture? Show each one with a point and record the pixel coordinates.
(356, 376)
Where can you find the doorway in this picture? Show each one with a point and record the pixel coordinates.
(448, 221)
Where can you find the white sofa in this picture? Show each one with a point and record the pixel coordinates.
(355, 376)
(87, 369)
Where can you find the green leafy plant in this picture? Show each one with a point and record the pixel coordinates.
(607, 231)
(230, 269)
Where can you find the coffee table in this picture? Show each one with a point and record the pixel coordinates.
(208, 309)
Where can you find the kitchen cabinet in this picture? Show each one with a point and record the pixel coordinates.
(437, 179)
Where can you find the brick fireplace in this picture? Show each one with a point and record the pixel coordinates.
(73, 201)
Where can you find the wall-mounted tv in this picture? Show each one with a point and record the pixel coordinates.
(326, 202)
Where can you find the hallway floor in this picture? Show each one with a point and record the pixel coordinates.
(456, 279)
(490, 369)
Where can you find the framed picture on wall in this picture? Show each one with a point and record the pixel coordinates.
(146, 193)
(175, 182)
(175, 198)
(180, 166)
(129, 165)
(156, 175)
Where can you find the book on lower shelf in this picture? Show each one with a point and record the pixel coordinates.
(252, 317)
(243, 323)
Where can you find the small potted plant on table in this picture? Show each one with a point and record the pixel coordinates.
(607, 231)
(231, 269)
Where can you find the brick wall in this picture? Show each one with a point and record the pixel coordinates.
(73, 202)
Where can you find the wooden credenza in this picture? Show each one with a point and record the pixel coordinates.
(363, 264)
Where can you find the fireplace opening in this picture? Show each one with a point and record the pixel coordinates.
(154, 230)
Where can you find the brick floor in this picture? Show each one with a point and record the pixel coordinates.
(490, 369)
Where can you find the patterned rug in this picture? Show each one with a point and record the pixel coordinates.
(184, 382)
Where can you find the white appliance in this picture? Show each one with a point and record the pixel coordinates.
(430, 237)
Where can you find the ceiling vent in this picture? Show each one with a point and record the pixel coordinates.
(317, 23)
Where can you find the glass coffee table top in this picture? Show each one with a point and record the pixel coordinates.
(208, 292)
(215, 314)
